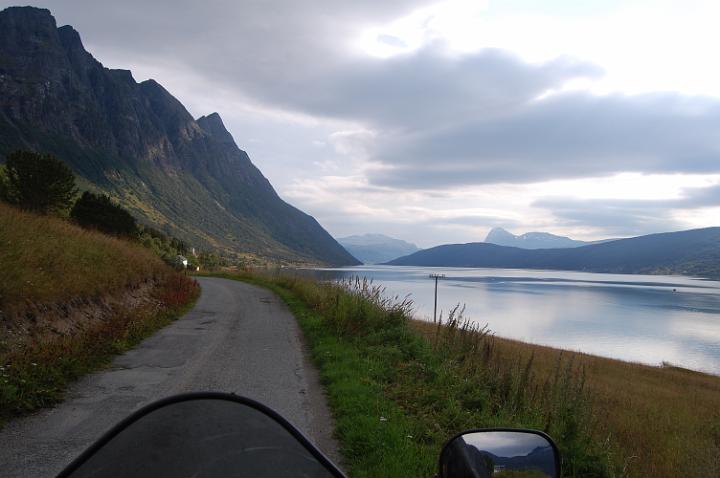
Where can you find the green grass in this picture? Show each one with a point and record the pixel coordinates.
(609, 417)
(375, 436)
(397, 396)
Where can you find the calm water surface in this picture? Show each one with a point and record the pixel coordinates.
(647, 319)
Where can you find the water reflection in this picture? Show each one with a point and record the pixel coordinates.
(647, 319)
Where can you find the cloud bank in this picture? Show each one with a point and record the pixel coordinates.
(424, 120)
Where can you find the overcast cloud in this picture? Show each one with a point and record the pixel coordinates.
(565, 135)
(347, 135)
(629, 217)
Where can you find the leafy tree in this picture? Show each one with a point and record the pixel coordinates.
(168, 248)
(97, 211)
(39, 182)
(209, 260)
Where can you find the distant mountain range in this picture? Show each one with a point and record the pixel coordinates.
(539, 462)
(695, 253)
(376, 248)
(532, 240)
(139, 144)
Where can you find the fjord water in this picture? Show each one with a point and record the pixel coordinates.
(641, 318)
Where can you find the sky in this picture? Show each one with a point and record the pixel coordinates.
(434, 121)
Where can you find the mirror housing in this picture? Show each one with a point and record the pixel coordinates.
(499, 452)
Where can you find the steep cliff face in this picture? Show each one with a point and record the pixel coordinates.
(140, 144)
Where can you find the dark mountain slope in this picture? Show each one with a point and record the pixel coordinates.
(695, 252)
(139, 144)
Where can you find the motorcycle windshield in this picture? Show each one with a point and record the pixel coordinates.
(203, 437)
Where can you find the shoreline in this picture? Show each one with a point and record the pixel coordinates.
(610, 417)
(633, 318)
(425, 326)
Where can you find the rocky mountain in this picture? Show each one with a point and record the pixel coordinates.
(531, 240)
(376, 248)
(695, 252)
(138, 143)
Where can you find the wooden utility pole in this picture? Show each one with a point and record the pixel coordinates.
(436, 277)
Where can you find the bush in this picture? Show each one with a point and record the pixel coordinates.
(39, 183)
(211, 261)
(4, 186)
(97, 211)
(168, 248)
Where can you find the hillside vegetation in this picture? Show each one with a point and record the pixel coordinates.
(695, 252)
(47, 260)
(70, 299)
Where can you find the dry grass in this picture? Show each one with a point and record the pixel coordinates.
(69, 300)
(659, 421)
(35, 374)
(48, 260)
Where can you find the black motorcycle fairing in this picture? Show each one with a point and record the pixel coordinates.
(203, 435)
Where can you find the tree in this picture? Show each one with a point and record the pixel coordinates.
(38, 182)
(97, 211)
(4, 189)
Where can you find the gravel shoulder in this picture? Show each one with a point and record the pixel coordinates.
(238, 338)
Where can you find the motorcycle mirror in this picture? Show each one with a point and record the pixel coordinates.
(500, 453)
(203, 435)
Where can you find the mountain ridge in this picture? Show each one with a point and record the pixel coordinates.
(376, 248)
(694, 252)
(532, 240)
(138, 143)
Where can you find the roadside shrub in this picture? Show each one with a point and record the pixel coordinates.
(211, 261)
(97, 211)
(167, 248)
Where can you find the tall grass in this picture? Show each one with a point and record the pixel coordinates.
(45, 259)
(35, 374)
(48, 268)
(499, 389)
(655, 421)
(397, 395)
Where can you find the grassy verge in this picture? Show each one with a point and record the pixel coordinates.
(397, 396)
(36, 374)
(69, 300)
(661, 421)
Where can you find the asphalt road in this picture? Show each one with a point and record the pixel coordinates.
(238, 338)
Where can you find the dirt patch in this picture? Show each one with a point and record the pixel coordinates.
(46, 322)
